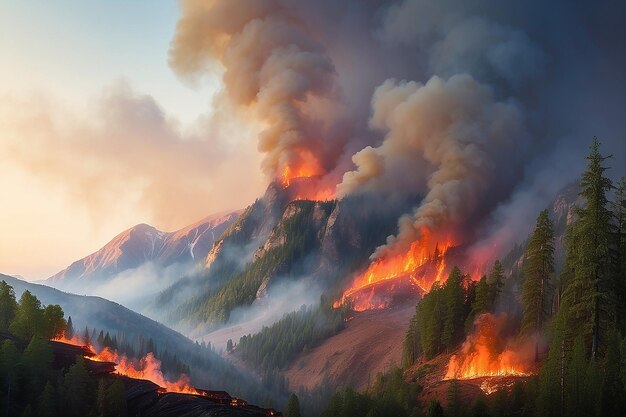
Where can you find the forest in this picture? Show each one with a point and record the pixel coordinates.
(575, 316)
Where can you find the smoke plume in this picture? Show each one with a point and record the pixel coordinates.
(275, 66)
(452, 132)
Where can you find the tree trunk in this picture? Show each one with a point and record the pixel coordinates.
(595, 341)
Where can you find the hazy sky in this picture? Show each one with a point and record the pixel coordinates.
(97, 133)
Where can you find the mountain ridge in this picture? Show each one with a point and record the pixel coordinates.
(140, 244)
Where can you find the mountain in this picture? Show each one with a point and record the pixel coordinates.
(100, 313)
(274, 241)
(142, 244)
(208, 368)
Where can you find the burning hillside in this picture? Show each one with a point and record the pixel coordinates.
(420, 266)
(485, 353)
(144, 376)
(148, 367)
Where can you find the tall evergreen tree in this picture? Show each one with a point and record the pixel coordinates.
(496, 282)
(538, 270)
(619, 214)
(591, 290)
(613, 394)
(551, 383)
(8, 305)
(69, 329)
(78, 389)
(454, 319)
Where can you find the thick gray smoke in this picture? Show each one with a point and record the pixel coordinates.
(452, 132)
(462, 102)
(273, 65)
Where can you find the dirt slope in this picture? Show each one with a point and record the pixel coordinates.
(370, 343)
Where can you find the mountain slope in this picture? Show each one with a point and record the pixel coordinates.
(140, 244)
(208, 368)
(371, 342)
(97, 312)
(278, 240)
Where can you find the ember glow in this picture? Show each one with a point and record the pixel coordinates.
(148, 367)
(483, 353)
(308, 187)
(423, 264)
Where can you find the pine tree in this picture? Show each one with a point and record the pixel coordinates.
(496, 282)
(37, 360)
(86, 337)
(551, 377)
(577, 395)
(591, 291)
(613, 395)
(69, 329)
(8, 306)
(454, 318)
(619, 215)
(78, 390)
(538, 270)
(481, 302)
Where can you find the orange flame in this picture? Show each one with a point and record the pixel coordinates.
(148, 367)
(402, 265)
(305, 171)
(483, 356)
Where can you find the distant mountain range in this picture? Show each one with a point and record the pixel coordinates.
(141, 244)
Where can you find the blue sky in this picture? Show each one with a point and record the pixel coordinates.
(73, 49)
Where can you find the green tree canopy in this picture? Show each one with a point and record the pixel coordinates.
(8, 305)
(538, 270)
(28, 320)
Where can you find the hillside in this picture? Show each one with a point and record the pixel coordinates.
(208, 368)
(371, 342)
(278, 240)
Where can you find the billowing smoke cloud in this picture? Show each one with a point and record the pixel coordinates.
(484, 124)
(130, 154)
(273, 64)
(452, 132)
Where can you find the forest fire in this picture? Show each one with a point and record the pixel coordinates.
(422, 265)
(307, 186)
(148, 367)
(485, 354)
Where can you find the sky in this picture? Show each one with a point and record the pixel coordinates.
(114, 113)
(66, 185)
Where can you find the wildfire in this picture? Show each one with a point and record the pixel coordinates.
(482, 354)
(305, 171)
(148, 367)
(423, 265)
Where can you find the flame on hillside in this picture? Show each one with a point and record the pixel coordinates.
(420, 254)
(483, 353)
(307, 184)
(148, 367)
